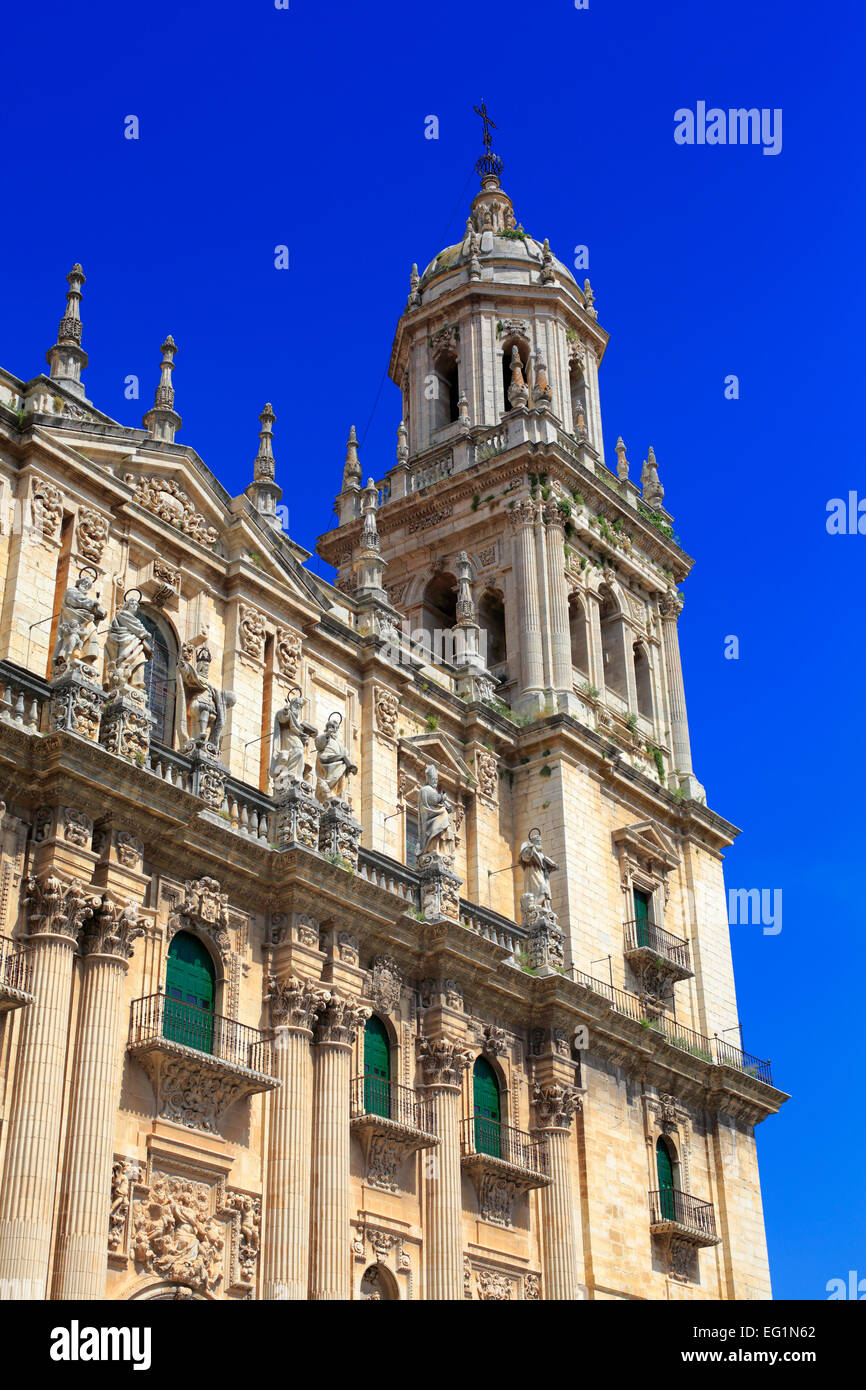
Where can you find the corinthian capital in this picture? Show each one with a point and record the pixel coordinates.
(443, 1061)
(112, 930)
(340, 1020)
(555, 1105)
(295, 1003)
(57, 907)
(671, 604)
(523, 513)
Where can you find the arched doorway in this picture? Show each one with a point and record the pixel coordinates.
(488, 1113)
(190, 993)
(377, 1284)
(666, 1168)
(377, 1068)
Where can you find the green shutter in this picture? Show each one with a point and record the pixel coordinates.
(665, 1170)
(485, 1095)
(642, 915)
(189, 981)
(377, 1068)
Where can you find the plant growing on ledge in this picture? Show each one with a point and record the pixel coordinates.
(631, 723)
(432, 722)
(340, 862)
(523, 957)
(656, 754)
(591, 691)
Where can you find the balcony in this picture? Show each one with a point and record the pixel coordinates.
(391, 1123)
(503, 1163)
(678, 1214)
(199, 1063)
(648, 947)
(14, 975)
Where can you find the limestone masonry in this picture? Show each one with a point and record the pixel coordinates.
(365, 940)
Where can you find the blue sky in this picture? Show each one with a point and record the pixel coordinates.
(305, 127)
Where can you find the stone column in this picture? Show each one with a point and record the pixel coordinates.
(295, 1005)
(56, 910)
(557, 588)
(528, 615)
(670, 607)
(555, 1105)
(596, 650)
(82, 1263)
(330, 1264)
(444, 1062)
(593, 423)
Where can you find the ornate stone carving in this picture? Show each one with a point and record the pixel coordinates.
(443, 1061)
(193, 1091)
(339, 833)
(428, 517)
(130, 850)
(295, 1003)
(206, 704)
(339, 1021)
(123, 1175)
(333, 762)
(496, 1198)
(128, 647)
(249, 1234)
(440, 888)
(204, 907)
(493, 1286)
(77, 827)
(555, 1105)
(289, 649)
(289, 743)
(176, 1236)
(168, 501)
(487, 556)
(126, 727)
(251, 632)
(671, 603)
(46, 507)
(436, 835)
(57, 906)
(298, 814)
(531, 1288)
(438, 992)
(487, 769)
(169, 580)
(112, 930)
(537, 868)
(386, 706)
(384, 984)
(495, 1041)
(91, 533)
(76, 704)
(80, 615)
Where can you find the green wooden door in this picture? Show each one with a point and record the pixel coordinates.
(377, 1068)
(189, 990)
(485, 1095)
(642, 916)
(665, 1170)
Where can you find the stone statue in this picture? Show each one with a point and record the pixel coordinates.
(289, 743)
(537, 869)
(76, 630)
(206, 705)
(333, 763)
(128, 646)
(435, 830)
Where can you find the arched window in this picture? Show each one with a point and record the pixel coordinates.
(643, 681)
(577, 630)
(377, 1068)
(491, 620)
(378, 1284)
(190, 992)
(523, 354)
(667, 1170)
(488, 1116)
(439, 614)
(613, 645)
(160, 678)
(446, 381)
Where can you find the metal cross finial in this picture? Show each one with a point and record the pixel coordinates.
(488, 125)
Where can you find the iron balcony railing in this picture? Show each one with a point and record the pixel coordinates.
(15, 968)
(669, 1204)
(677, 1034)
(158, 1017)
(489, 1138)
(642, 935)
(374, 1096)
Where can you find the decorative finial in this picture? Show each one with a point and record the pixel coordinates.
(402, 444)
(621, 460)
(589, 299)
(352, 469)
(463, 411)
(653, 492)
(517, 392)
(548, 275)
(369, 505)
(66, 359)
(414, 296)
(263, 490)
(162, 422)
(541, 392)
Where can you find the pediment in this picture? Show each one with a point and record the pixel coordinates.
(646, 840)
(439, 749)
(178, 500)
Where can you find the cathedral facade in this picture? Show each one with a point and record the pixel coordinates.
(365, 939)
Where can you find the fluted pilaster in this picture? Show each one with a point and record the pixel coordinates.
(82, 1263)
(529, 614)
(295, 1005)
(555, 1106)
(557, 588)
(444, 1063)
(55, 910)
(330, 1263)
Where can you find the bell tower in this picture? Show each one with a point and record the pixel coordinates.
(570, 569)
